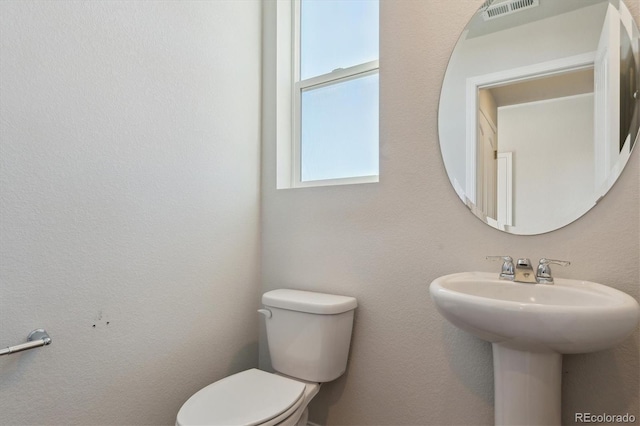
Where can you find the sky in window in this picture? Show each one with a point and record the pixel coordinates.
(339, 121)
(337, 34)
(340, 130)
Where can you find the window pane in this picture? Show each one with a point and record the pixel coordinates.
(339, 136)
(337, 34)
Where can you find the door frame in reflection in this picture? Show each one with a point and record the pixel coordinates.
(500, 78)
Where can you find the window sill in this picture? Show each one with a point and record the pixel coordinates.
(334, 182)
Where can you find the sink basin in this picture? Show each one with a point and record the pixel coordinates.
(530, 326)
(570, 316)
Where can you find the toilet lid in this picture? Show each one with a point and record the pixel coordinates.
(248, 398)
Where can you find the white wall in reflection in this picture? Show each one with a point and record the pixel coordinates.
(553, 158)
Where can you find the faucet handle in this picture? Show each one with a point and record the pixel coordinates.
(545, 261)
(543, 274)
(507, 271)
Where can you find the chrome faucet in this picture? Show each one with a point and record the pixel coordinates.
(544, 270)
(522, 272)
(507, 272)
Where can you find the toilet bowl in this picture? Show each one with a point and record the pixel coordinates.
(309, 335)
(251, 397)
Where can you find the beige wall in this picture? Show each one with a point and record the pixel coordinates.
(129, 199)
(384, 243)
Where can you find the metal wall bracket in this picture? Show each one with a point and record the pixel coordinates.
(35, 339)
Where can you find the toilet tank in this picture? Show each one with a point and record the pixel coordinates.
(309, 333)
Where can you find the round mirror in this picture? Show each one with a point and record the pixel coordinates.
(540, 109)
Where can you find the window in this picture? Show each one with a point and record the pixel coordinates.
(332, 79)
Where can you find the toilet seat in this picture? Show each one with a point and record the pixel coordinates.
(252, 397)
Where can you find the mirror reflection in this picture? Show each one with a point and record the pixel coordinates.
(540, 109)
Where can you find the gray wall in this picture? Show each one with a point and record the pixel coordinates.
(129, 199)
(384, 243)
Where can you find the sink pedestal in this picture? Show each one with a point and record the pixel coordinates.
(527, 386)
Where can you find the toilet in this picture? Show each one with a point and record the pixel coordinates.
(309, 335)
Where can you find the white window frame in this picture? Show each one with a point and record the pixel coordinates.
(289, 96)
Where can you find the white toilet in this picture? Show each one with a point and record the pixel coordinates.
(309, 335)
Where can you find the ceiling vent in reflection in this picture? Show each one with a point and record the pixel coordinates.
(492, 9)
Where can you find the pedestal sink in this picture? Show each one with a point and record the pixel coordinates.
(530, 326)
